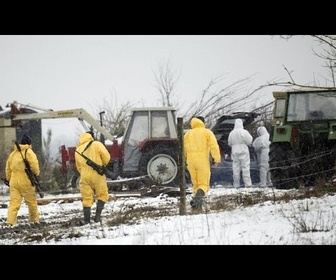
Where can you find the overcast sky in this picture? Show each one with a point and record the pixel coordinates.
(79, 71)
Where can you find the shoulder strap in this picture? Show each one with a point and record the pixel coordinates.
(87, 146)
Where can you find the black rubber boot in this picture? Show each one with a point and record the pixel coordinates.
(198, 199)
(192, 203)
(99, 209)
(87, 214)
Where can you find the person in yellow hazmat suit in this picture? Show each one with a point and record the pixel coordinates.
(19, 183)
(91, 184)
(200, 147)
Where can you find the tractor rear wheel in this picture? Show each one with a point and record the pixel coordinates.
(283, 166)
(160, 166)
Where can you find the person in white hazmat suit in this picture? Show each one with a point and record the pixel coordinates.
(239, 139)
(261, 146)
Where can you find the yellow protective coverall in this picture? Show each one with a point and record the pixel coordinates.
(20, 185)
(199, 144)
(91, 183)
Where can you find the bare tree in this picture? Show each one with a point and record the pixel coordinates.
(114, 116)
(328, 55)
(328, 43)
(166, 79)
(47, 149)
(213, 101)
(218, 99)
(46, 164)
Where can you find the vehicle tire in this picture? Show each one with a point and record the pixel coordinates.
(161, 166)
(283, 167)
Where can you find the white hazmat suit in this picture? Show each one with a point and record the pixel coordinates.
(239, 140)
(261, 146)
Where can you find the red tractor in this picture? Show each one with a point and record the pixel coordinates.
(148, 149)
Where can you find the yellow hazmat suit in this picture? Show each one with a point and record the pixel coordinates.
(20, 185)
(199, 144)
(91, 183)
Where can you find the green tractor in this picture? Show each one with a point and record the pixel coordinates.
(303, 136)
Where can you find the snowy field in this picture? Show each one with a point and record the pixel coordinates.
(304, 221)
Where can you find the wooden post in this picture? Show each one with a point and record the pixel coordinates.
(181, 164)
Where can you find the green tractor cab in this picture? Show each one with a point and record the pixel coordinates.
(303, 137)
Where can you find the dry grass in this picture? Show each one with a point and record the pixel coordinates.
(217, 204)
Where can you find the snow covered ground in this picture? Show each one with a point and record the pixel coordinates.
(232, 217)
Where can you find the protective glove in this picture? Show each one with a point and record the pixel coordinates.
(214, 165)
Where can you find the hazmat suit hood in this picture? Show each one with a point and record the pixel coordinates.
(262, 131)
(195, 123)
(239, 136)
(262, 141)
(238, 124)
(23, 147)
(85, 137)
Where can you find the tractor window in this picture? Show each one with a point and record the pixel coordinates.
(280, 108)
(311, 106)
(159, 124)
(139, 128)
(136, 133)
(328, 106)
(297, 107)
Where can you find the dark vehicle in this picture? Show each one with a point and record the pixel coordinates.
(302, 152)
(222, 174)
